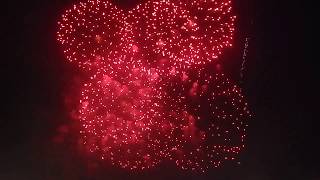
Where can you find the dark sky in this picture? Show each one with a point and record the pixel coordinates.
(279, 82)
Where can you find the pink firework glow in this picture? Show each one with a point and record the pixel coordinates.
(150, 95)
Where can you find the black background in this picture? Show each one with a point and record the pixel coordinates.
(279, 82)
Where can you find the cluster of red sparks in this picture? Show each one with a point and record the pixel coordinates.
(150, 95)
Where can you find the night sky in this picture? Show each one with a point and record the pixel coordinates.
(279, 83)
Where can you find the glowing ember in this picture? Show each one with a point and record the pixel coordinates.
(209, 116)
(119, 118)
(161, 31)
(93, 28)
(216, 24)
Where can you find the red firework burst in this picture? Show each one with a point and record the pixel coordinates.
(144, 101)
